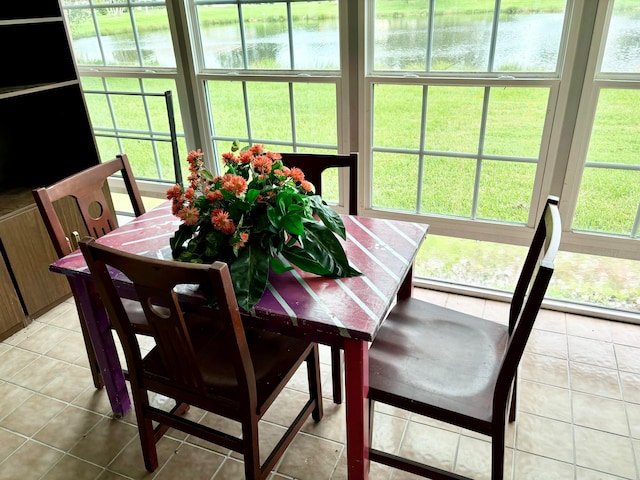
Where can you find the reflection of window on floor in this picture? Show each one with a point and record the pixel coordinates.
(584, 279)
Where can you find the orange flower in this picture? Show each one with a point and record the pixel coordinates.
(242, 241)
(222, 222)
(234, 183)
(229, 157)
(189, 193)
(256, 149)
(296, 174)
(245, 156)
(307, 186)
(194, 155)
(214, 196)
(262, 164)
(189, 215)
(174, 193)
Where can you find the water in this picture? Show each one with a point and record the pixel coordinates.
(525, 43)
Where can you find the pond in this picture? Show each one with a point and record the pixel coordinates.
(525, 42)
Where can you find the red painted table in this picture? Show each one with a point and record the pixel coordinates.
(343, 312)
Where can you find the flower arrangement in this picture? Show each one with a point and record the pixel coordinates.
(258, 216)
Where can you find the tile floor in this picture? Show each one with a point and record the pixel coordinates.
(579, 413)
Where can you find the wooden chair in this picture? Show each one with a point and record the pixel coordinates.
(85, 189)
(313, 164)
(218, 366)
(458, 368)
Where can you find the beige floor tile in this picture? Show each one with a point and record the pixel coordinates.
(633, 414)
(191, 462)
(548, 343)
(605, 452)
(39, 373)
(594, 328)
(545, 437)
(111, 435)
(551, 321)
(600, 413)
(15, 360)
(430, 445)
(69, 349)
(545, 400)
(630, 386)
(625, 333)
(545, 369)
(310, 458)
(9, 443)
(35, 412)
(388, 432)
(11, 397)
(593, 352)
(69, 383)
(533, 467)
(628, 358)
(130, 462)
(586, 474)
(73, 468)
(65, 429)
(596, 380)
(29, 462)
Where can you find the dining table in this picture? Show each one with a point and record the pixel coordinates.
(339, 312)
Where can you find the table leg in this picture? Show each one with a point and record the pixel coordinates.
(99, 329)
(356, 361)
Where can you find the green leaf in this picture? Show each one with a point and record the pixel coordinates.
(277, 266)
(328, 216)
(320, 242)
(305, 261)
(293, 224)
(249, 274)
(184, 233)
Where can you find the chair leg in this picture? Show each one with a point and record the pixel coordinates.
(251, 452)
(145, 431)
(315, 383)
(497, 455)
(336, 373)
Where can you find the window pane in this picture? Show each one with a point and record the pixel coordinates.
(615, 137)
(134, 35)
(397, 116)
(462, 38)
(505, 191)
(400, 40)
(453, 119)
(395, 180)
(622, 50)
(316, 44)
(447, 187)
(316, 114)
(266, 43)
(529, 36)
(609, 197)
(220, 36)
(608, 201)
(515, 121)
(269, 110)
(226, 105)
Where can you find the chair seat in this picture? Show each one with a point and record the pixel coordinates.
(446, 360)
(273, 357)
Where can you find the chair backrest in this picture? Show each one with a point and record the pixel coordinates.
(155, 282)
(86, 189)
(313, 164)
(530, 289)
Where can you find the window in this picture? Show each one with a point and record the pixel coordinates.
(464, 119)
